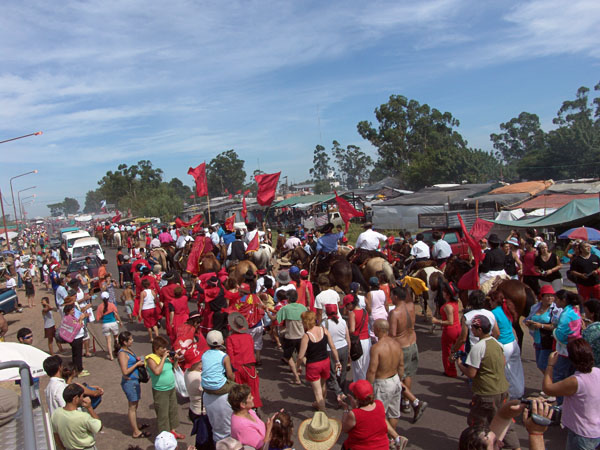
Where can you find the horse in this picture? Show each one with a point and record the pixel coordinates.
(300, 258)
(117, 238)
(433, 278)
(262, 257)
(100, 236)
(160, 255)
(208, 263)
(280, 243)
(378, 264)
(341, 274)
(238, 271)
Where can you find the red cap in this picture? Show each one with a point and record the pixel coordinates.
(261, 271)
(331, 309)
(547, 289)
(348, 299)
(304, 273)
(361, 389)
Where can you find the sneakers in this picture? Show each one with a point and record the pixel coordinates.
(419, 410)
(177, 435)
(406, 408)
(83, 373)
(401, 445)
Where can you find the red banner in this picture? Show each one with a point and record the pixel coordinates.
(470, 280)
(244, 210)
(347, 211)
(117, 217)
(229, 223)
(199, 174)
(254, 244)
(197, 218)
(267, 185)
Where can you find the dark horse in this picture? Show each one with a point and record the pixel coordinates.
(340, 272)
(521, 295)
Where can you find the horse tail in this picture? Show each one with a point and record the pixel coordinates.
(530, 300)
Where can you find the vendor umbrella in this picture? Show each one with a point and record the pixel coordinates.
(12, 351)
(585, 233)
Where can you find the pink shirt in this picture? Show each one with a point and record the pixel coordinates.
(165, 238)
(248, 432)
(580, 412)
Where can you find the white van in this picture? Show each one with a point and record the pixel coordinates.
(70, 237)
(87, 246)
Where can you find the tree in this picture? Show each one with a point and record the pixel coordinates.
(521, 136)
(322, 186)
(67, 206)
(92, 201)
(225, 171)
(407, 130)
(353, 164)
(321, 169)
(181, 190)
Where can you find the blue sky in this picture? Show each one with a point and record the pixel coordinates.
(179, 82)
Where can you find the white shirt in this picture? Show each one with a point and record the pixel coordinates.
(214, 237)
(337, 332)
(11, 283)
(441, 249)
(285, 287)
(477, 353)
(174, 234)
(327, 297)
(369, 240)
(154, 243)
(229, 248)
(420, 250)
(260, 283)
(292, 243)
(469, 318)
(54, 394)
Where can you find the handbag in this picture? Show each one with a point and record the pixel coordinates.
(143, 375)
(69, 328)
(356, 350)
(547, 336)
(180, 382)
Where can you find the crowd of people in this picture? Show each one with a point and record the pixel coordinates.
(211, 353)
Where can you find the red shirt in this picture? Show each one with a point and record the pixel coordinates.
(370, 431)
(364, 332)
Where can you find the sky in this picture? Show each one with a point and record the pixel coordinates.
(179, 82)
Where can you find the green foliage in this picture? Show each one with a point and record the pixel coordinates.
(521, 136)
(225, 171)
(321, 167)
(322, 187)
(181, 190)
(67, 206)
(353, 164)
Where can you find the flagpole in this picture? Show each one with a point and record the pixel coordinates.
(208, 200)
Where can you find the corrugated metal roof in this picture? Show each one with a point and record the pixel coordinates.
(552, 200)
(527, 187)
(304, 199)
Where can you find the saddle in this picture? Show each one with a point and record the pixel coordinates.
(491, 284)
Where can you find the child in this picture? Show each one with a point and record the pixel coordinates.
(127, 297)
(29, 288)
(279, 433)
(49, 325)
(109, 286)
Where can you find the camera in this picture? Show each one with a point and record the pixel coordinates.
(543, 421)
(172, 353)
(460, 355)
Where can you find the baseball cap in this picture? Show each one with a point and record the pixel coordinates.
(547, 289)
(361, 389)
(214, 338)
(482, 322)
(304, 273)
(294, 269)
(165, 441)
(348, 299)
(105, 295)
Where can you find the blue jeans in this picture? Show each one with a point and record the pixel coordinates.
(563, 369)
(576, 442)
(541, 357)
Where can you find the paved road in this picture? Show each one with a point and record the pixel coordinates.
(439, 428)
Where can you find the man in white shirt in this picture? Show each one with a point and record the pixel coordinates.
(441, 250)
(327, 296)
(369, 239)
(420, 250)
(56, 384)
(155, 242)
(292, 242)
(214, 236)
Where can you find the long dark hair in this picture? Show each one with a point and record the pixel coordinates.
(282, 432)
(121, 340)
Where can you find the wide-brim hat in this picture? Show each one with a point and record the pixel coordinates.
(513, 241)
(285, 261)
(237, 322)
(283, 277)
(320, 432)
(494, 239)
(326, 228)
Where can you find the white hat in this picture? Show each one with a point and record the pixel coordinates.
(214, 338)
(165, 441)
(105, 295)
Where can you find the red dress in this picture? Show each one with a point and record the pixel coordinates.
(179, 306)
(370, 431)
(240, 348)
(167, 296)
(450, 334)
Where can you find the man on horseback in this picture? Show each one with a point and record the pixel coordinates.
(367, 244)
(291, 243)
(419, 251)
(441, 250)
(236, 251)
(311, 246)
(165, 238)
(493, 261)
(327, 246)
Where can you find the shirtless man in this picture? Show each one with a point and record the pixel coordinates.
(386, 368)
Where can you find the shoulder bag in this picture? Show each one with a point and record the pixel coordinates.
(356, 350)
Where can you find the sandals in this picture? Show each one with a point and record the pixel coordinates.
(143, 434)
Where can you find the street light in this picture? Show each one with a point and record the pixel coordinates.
(19, 199)
(37, 133)
(13, 195)
(21, 203)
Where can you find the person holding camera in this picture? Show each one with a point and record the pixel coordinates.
(161, 364)
(485, 366)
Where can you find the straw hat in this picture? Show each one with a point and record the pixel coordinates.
(285, 261)
(237, 322)
(320, 432)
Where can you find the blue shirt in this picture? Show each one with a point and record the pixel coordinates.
(504, 325)
(329, 242)
(228, 238)
(213, 370)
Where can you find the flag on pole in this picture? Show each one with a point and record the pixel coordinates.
(254, 244)
(267, 185)
(245, 211)
(239, 191)
(470, 280)
(103, 206)
(199, 174)
(117, 217)
(347, 211)
(229, 223)
(198, 218)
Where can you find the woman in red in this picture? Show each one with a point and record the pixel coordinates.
(366, 424)
(531, 275)
(451, 327)
(301, 287)
(178, 312)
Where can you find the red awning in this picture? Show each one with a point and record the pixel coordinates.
(552, 200)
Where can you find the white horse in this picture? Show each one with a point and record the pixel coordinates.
(262, 257)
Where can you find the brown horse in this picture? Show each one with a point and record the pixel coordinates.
(208, 263)
(238, 271)
(433, 279)
(280, 243)
(300, 258)
(160, 255)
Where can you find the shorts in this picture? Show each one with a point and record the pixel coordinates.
(150, 317)
(257, 336)
(290, 346)
(110, 328)
(132, 389)
(318, 370)
(389, 392)
(129, 304)
(50, 332)
(411, 360)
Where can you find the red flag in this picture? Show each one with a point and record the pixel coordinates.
(197, 218)
(117, 217)
(192, 196)
(230, 196)
(267, 185)
(226, 191)
(254, 244)
(229, 223)
(239, 191)
(198, 227)
(480, 228)
(246, 192)
(470, 280)
(199, 174)
(347, 211)
(244, 210)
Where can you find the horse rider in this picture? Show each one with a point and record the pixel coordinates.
(300, 231)
(214, 236)
(236, 251)
(419, 251)
(155, 243)
(327, 245)
(367, 243)
(493, 261)
(182, 240)
(311, 245)
(441, 250)
(165, 238)
(291, 243)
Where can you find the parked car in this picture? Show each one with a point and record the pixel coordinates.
(452, 237)
(9, 301)
(87, 246)
(54, 242)
(93, 266)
